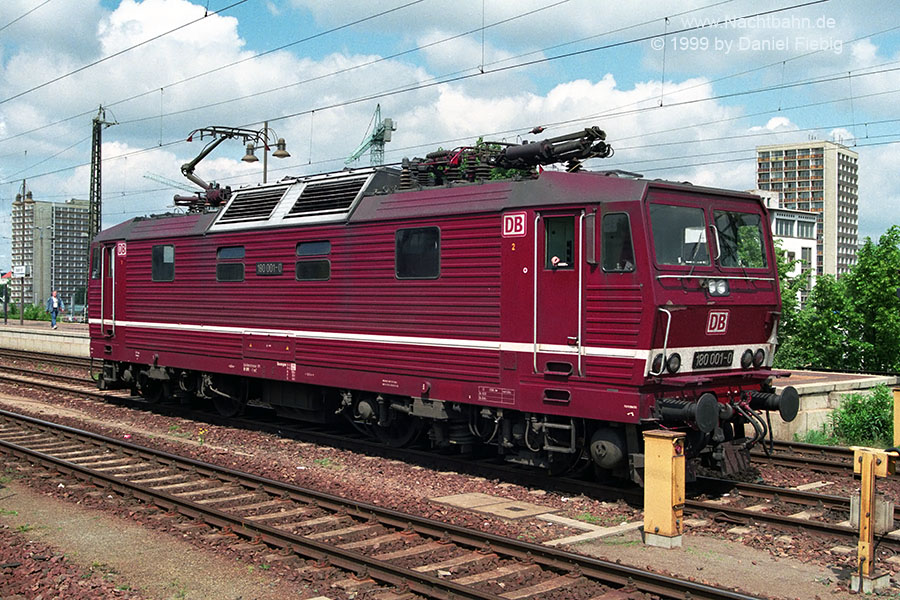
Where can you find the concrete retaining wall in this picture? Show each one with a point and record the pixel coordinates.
(817, 400)
(57, 341)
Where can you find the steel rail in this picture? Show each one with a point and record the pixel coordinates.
(72, 361)
(604, 572)
(797, 496)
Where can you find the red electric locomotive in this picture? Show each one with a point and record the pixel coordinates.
(553, 315)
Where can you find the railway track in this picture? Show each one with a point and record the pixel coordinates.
(46, 358)
(828, 459)
(783, 508)
(385, 549)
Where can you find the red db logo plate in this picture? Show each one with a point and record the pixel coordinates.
(514, 225)
(717, 323)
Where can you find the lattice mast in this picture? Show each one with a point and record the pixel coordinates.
(95, 204)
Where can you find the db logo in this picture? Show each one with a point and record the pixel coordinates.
(717, 323)
(514, 225)
(121, 249)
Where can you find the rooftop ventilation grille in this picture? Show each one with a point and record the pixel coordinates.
(327, 197)
(253, 205)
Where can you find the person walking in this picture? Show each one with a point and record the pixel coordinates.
(54, 307)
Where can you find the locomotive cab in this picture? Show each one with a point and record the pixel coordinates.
(714, 333)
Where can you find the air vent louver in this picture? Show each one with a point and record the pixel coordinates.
(253, 205)
(320, 197)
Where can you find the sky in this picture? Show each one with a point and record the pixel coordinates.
(684, 89)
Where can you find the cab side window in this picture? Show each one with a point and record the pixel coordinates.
(559, 243)
(95, 263)
(617, 249)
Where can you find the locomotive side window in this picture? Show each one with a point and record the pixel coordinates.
(617, 250)
(314, 248)
(313, 270)
(559, 246)
(741, 238)
(230, 271)
(163, 263)
(230, 252)
(679, 235)
(418, 253)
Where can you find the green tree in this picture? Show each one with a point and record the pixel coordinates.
(819, 338)
(852, 324)
(871, 289)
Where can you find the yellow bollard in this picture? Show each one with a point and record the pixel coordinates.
(663, 488)
(897, 417)
(869, 463)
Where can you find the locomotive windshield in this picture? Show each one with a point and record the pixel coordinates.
(679, 235)
(740, 239)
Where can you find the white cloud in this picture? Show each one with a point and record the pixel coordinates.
(776, 124)
(879, 189)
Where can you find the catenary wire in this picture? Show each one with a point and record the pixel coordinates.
(20, 17)
(119, 53)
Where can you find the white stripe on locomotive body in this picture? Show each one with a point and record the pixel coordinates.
(527, 347)
(686, 353)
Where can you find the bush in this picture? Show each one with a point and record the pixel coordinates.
(36, 312)
(33, 312)
(865, 420)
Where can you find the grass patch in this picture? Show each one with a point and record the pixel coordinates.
(860, 420)
(601, 521)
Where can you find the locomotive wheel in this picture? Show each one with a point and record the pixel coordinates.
(229, 407)
(152, 390)
(402, 431)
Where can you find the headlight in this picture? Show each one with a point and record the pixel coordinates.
(673, 363)
(657, 365)
(759, 358)
(717, 287)
(747, 358)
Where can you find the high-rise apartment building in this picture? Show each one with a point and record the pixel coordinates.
(819, 177)
(50, 239)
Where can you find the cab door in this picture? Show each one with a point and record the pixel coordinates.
(558, 293)
(108, 289)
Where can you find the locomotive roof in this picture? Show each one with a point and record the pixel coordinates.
(360, 196)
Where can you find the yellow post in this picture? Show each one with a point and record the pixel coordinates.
(870, 463)
(865, 554)
(663, 488)
(896, 417)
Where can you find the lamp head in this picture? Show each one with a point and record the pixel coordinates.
(250, 157)
(280, 149)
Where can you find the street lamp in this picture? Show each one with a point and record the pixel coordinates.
(212, 194)
(280, 149)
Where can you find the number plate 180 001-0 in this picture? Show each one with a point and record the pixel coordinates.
(713, 359)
